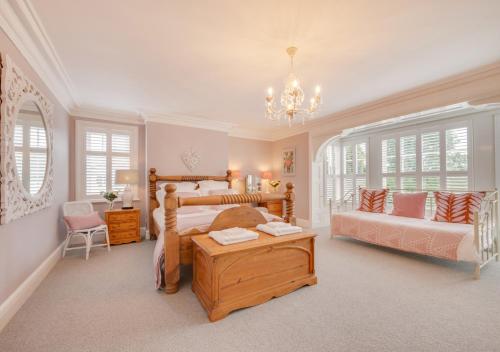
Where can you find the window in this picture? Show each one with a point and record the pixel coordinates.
(427, 159)
(101, 150)
(354, 167)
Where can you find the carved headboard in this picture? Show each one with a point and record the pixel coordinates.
(153, 187)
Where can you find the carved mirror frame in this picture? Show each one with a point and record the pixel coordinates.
(16, 89)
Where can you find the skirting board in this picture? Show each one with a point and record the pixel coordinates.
(16, 300)
(303, 222)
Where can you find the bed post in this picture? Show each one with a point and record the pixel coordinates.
(290, 203)
(229, 178)
(171, 243)
(153, 203)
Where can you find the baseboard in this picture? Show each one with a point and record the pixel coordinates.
(303, 222)
(16, 300)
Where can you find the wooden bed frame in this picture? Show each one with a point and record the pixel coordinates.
(179, 249)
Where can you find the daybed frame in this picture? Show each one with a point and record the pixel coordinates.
(179, 249)
(486, 227)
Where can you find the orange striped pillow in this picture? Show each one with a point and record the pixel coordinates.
(457, 208)
(372, 200)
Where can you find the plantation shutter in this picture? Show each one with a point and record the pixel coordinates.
(408, 153)
(37, 157)
(95, 162)
(430, 152)
(457, 159)
(389, 156)
(330, 180)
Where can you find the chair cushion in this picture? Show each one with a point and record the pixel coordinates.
(82, 222)
(411, 205)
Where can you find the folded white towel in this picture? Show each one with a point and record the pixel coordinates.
(278, 224)
(233, 235)
(279, 231)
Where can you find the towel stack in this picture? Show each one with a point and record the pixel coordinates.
(279, 228)
(233, 235)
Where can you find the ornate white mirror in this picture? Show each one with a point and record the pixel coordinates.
(26, 157)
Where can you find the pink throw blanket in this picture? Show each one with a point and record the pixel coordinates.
(437, 239)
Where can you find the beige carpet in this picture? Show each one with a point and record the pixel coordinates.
(367, 299)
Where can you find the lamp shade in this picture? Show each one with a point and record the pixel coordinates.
(266, 175)
(236, 174)
(127, 177)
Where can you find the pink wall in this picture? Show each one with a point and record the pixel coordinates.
(165, 144)
(28, 241)
(301, 178)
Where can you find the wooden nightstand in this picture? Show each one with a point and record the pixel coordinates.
(274, 207)
(123, 225)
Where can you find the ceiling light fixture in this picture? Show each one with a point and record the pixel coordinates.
(291, 98)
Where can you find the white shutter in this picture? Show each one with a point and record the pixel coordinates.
(456, 149)
(457, 183)
(408, 183)
(38, 164)
(408, 153)
(104, 149)
(37, 137)
(361, 159)
(348, 160)
(388, 156)
(95, 174)
(329, 174)
(430, 152)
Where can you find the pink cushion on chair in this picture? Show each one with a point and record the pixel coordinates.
(411, 205)
(82, 222)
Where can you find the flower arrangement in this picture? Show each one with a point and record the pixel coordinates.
(274, 184)
(110, 197)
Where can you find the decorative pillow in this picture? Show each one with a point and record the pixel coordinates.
(411, 205)
(372, 200)
(457, 207)
(217, 192)
(82, 222)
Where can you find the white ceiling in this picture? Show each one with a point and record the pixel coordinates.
(215, 59)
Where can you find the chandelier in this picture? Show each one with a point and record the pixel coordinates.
(291, 98)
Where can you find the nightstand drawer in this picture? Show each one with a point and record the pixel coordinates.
(122, 226)
(124, 236)
(120, 218)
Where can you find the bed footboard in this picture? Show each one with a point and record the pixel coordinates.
(486, 232)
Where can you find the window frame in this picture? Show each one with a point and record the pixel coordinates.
(353, 142)
(84, 126)
(419, 174)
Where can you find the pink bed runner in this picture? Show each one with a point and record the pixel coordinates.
(437, 239)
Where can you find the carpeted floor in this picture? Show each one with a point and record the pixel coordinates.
(367, 299)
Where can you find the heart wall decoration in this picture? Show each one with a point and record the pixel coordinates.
(191, 159)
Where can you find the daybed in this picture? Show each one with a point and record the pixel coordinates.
(174, 231)
(476, 243)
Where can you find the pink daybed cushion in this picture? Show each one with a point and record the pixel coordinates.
(82, 222)
(411, 205)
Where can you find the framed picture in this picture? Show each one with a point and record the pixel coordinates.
(288, 162)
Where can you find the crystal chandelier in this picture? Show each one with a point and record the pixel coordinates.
(291, 98)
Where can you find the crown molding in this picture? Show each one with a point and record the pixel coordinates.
(23, 27)
(245, 133)
(188, 121)
(110, 115)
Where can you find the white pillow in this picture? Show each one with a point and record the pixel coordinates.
(207, 185)
(160, 196)
(181, 186)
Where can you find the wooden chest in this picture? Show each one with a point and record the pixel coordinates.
(274, 207)
(123, 225)
(226, 278)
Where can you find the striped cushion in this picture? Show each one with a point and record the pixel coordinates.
(457, 208)
(372, 200)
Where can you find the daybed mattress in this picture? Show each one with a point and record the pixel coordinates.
(438, 239)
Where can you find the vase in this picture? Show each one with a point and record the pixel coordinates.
(110, 205)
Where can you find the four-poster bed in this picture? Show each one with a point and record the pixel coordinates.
(176, 237)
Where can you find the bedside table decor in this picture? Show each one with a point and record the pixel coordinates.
(128, 178)
(123, 225)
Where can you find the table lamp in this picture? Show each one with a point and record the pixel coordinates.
(266, 175)
(128, 178)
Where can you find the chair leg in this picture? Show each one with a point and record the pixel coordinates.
(66, 244)
(107, 239)
(88, 243)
